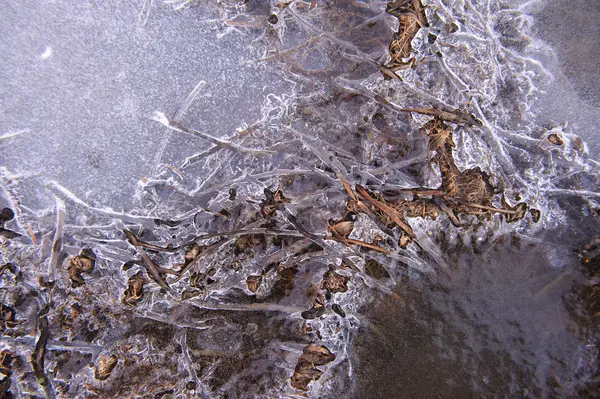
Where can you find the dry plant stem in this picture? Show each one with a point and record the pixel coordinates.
(153, 270)
(421, 191)
(37, 357)
(268, 232)
(363, 244)
(362, 207)
(188, 361)
(189, 161)
(333, 38)
(488, 208)
(52, 345)
(206, 251)
(251, 178)
(152, 247)
(294, 221)
(149, 264)
(255, 307)
(198, 325)
(392, 213)
(454, 116)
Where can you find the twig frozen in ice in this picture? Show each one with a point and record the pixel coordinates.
(494, 141)
(224, 163)
(253, 307)
(334, 39)
(199, 325)
(58, 237)
(189, 161)
(173, 125)
(14, 134)
(144, 13)
(254, 178)
(359, 243)
(26, 342)
(393, 167)
(241, 232)
(66, 193)
(177, 118)
(189, 364)
(574, 193)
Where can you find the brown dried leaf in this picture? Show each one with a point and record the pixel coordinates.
(335, 282)
(317, 355)
(305, 371)
(82, 263)
(105, 367)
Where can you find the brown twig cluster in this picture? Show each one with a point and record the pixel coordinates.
(411, 18)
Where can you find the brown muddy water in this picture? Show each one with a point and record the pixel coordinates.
(495, 326)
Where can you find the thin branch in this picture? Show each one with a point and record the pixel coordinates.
(392, 213)
(149, 264)
(37, 357)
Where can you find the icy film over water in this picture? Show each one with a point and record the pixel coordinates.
(294, 199)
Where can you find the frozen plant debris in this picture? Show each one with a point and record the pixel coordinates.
(318, 166)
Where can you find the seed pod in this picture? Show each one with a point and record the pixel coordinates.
(79, 264)
(313, 313)
(6, 214)
(536, 215)
(82, 263)
(555, 139)
(253, 282)
(232, 193)
(338, 309)
(135, 289)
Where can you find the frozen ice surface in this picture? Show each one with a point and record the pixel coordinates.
(134, 129)
(84, 80)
